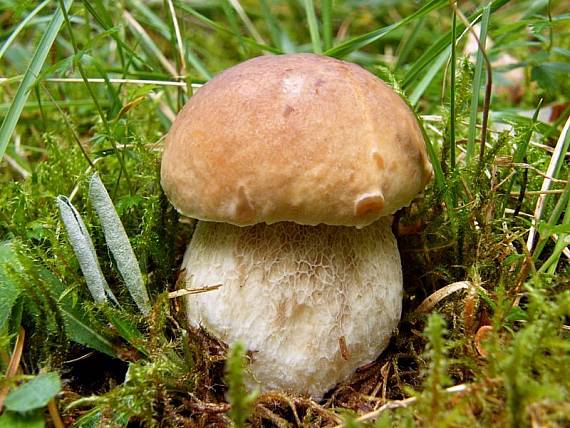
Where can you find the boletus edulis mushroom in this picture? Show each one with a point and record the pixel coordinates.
(292, 165)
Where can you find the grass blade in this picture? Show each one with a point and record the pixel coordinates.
(441, 44)
(408, 43)
(148, 44)
(326, 12)
(520, 153)
(230, 13)
(247, 22)
(150, 17)
(439, 176)
(427, 59)
(220, 28)
(359, 42)
(275, 30)
(551, 263)
(181, 48)
(118, 242)
(21, 26)
(429, 76)
(552, 221)
(477, 85)
(83, 248)
(552, 172)
(313, 26)
(102, 114)
(452, 147)
(105, 21)
(33, 70)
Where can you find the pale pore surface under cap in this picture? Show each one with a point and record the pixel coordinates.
(292, 293)
(301, 138)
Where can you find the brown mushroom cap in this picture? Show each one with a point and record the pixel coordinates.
(301, 138)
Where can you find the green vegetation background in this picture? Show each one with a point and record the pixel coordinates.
(60, 124)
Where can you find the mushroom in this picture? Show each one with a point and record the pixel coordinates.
(292, 165)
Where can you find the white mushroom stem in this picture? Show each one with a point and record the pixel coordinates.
(312, 303)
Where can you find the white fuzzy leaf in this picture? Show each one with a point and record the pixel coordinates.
(83, 248)
(118, 242)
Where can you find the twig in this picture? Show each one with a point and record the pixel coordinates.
(83, 357)
(503, 181)
(318, 408)
(545, 147)
(521, 213)
(17, 167)
(385, 372)
(539, 172)
(264, 413)
(539, 192)
(526, 267)
(188, 291)
(200, 406)
(402, 403)
(432, 300)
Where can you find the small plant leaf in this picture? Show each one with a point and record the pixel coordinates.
(33, 394)
(9, 291)
(84, 250)
(80, 327)
(118, 242)
(126, 328)
(18, 420)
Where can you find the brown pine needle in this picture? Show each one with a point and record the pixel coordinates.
(54, 413)
(14, 364)
(188, 291)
